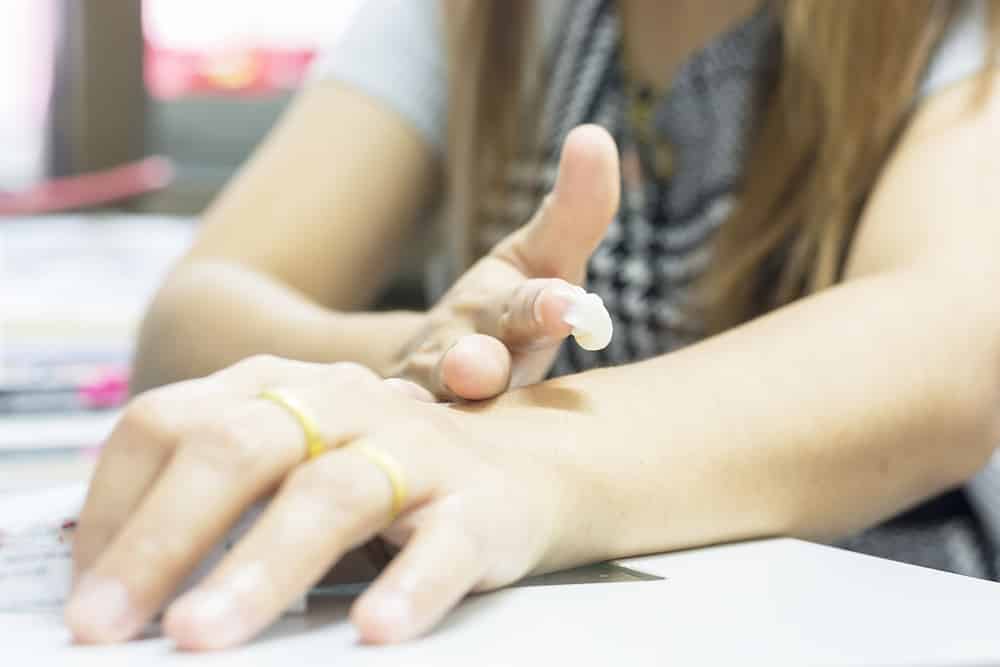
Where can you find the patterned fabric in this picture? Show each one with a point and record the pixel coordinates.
(658, 246)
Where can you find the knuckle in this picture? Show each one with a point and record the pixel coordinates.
(251, 371)
(466, 306)
(436, 318)
(228, 445)
(256, 365)
(430, 353)
(520, 308)
(349, 372)
(443, 340)
(146, 420)
(409, 365)
(261, 361)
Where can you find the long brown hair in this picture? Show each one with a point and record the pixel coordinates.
(849, 73)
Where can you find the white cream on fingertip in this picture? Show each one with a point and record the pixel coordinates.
(591, 322)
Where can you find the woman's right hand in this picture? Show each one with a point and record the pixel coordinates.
(501, 324)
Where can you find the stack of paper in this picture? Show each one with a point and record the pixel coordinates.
(73, 289)
(36, 540)
(35, 543)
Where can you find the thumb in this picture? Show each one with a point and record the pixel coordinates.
(562, 235)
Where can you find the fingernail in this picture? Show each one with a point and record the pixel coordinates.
(566, 293)
(208, 619)
(392, 613)
(101, 611)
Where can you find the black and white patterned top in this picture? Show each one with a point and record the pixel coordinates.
(658, 244)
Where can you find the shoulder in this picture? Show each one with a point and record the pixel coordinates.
(393, 51)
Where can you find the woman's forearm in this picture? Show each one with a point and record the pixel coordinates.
(817, 420)
(211, 314)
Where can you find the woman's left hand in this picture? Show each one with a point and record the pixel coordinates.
(187, 460)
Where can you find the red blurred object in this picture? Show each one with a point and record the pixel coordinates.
(174, 73)
(93, 189)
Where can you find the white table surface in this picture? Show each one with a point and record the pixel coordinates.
(771, 602)
(775, 602)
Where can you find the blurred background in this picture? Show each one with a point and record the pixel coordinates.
(89, 85)
(119, 121)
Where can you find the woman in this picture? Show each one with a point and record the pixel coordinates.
(832, 361)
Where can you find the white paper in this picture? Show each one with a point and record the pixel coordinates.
(35, 547)
(73, 289)
(36, 541)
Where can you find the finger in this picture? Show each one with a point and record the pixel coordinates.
(541, 312)
(326, 507)
(133, 457)
(533, 315)
(411, 389)
(475, 368)
(145, 438)
(563, 234)
(415, 592)
(211, 480)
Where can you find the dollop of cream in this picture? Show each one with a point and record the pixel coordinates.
(591, 322)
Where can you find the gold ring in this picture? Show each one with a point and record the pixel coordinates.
(392, 471)
(314, 441)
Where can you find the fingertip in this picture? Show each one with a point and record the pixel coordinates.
(477, 367)
(590, 137)
(100, 611)
(584, 201)
(383, 618)
(551, 307)
(590, 160)
(207, 620)
(180, 627)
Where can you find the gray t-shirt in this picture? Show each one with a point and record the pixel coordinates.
(394, 51)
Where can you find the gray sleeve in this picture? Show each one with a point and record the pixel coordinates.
(394, 51)
(962, 51)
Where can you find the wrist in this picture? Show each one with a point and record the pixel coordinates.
(558, 438)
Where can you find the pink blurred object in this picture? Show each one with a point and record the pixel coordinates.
(173, 74)
(107, 391)
(93, 189)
